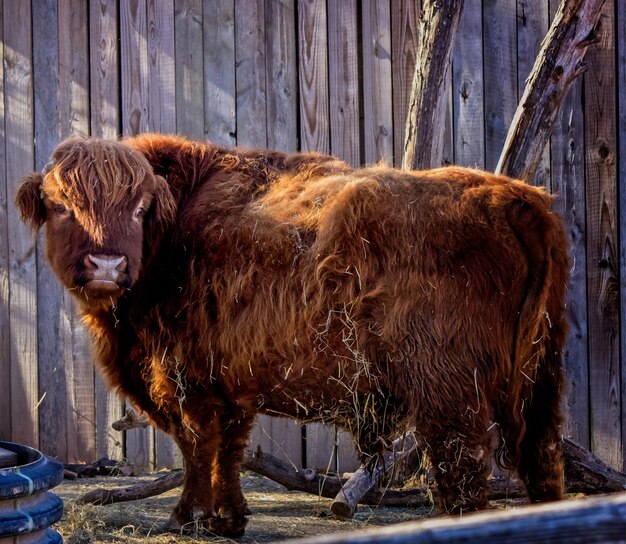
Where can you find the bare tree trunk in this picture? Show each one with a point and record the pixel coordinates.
(558, 64)
(423, 141)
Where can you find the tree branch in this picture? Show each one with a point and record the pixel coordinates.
(558, 64)
(423, 141)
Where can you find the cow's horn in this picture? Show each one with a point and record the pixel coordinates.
(47, 168)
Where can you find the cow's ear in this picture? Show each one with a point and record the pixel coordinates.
(163, 212)
(29, 202)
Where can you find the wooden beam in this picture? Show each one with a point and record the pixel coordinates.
(557, 65)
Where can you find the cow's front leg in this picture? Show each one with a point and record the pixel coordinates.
(196, 506)
(230, 505)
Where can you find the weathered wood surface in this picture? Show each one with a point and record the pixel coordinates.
(377, 108)
(423, 139)
(5, 315)
(568, 184)
(603, 278)
(343, 81)
(404, 43)
(468, 92)
(365, 478)
(313, 72)
(599, 519)
(282, 75)
(557, 65)
(500, 74)
(220, 112)
(51, 313)
(189, 72)
(22, 255)
(621, 181)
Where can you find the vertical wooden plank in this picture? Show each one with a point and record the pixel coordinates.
(467, 88)
(219, 72)
(135, 120)
(314, 136)
(447, 143)
(74, 121)
(162, 106)
(161, 64)
(53, 386)
(103, 42)
(377, 108)
(405, 32)
(105, 122)
(347, 453)
(189, 68)
(18, 95)
(250, 75)
(568, 184)
(133, 43)
(602, 246)
(343, 70)
(313, 76)
(5, 324)
(620, 22)
(533, 21)
(250, 100)
(500, 73)
(321, 453)
(345, 143)
(282, 92)
(261, 436)
(286, 436)
(282, 133)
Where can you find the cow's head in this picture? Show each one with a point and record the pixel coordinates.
(104, 210)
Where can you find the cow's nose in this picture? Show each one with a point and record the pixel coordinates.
(106, 263)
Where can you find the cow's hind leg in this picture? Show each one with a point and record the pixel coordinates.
(460, 459)
(541, 450)
(230, 505)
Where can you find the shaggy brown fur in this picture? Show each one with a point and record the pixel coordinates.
(222, 283)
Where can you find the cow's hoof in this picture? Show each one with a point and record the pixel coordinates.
(228, 526)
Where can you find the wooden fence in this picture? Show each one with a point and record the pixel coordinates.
(332, 76)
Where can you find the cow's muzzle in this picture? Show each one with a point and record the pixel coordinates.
(105, 273)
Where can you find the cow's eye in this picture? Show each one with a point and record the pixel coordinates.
(59, 209)
(139, 213)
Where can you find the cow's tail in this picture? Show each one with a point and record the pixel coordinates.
(536, 379)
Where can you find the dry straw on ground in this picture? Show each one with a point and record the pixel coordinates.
(278, 514)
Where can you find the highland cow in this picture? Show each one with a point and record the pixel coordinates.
(219, 284)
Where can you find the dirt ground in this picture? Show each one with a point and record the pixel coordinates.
(278, 514)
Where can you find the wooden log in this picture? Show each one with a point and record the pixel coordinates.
(599, 519)
(423, 142)
(579, 478)
(131, 420)
(135, 492)
(365, 477)
(557, 65)
(309, 481)
(584, 473)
